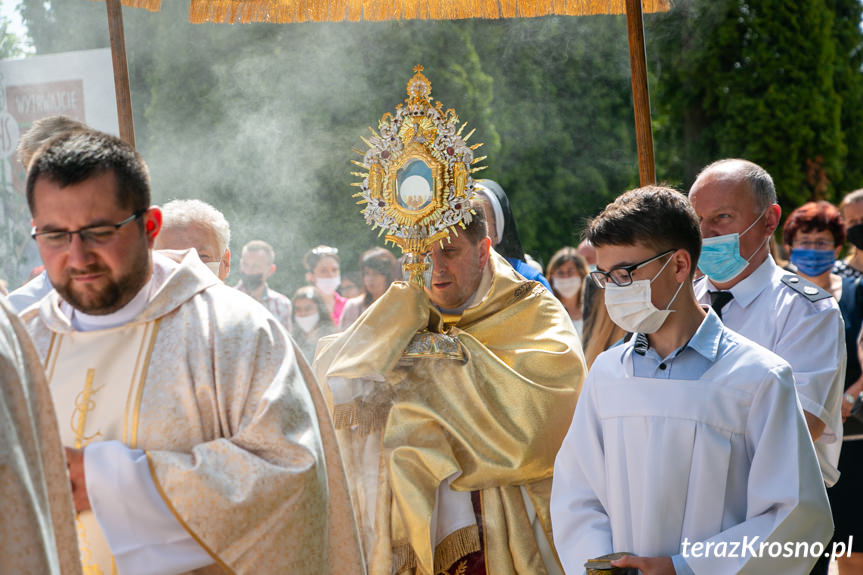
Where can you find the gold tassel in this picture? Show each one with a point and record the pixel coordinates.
(284, 11)
(403, 557)
(366, 417)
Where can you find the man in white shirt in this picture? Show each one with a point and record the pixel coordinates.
(687, 442)
(736, 205)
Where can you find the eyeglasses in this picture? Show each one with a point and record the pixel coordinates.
(94, 235)
(622, 276)
(814, 245)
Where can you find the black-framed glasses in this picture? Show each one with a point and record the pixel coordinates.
(622, 276)
(95, 235)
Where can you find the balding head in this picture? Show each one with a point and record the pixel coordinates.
(735, 170)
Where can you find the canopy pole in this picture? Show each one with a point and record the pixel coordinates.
(640, 93)
(121, 71)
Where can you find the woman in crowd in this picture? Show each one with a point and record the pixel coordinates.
(379, 269)
(311, 320)
(813, 236)
(852, 211)
(567, 272)
(322, 271)
(351, 285)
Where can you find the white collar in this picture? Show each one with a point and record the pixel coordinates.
(747, 289)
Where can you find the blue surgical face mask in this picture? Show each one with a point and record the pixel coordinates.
(720, 258)
(812, 263)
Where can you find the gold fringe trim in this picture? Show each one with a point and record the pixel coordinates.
(457, 545)
(151, 5)
(285, 11)
(367, 418)
(403, 557)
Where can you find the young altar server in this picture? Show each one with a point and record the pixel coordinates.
(688, 447)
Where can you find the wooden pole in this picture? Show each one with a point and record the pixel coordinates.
(640, 93)
(121, 71)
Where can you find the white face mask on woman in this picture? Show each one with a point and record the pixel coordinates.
(567, 287)
(328, 286)
(631, 307)
(307, 322)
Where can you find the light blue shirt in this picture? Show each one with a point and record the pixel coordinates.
(688, 362)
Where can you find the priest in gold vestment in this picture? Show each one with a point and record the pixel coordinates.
(450, 404)
(197, 439)
(37, 530)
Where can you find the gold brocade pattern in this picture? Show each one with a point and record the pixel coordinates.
(232, 427)
(494, 422)
(37, 533)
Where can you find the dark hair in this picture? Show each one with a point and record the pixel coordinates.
(316, 254)
(510, 244)
(815, 217)
(73, 157)
(314, 294)
(654, 216)
(562, 256)
(477, 229)
(381, 261)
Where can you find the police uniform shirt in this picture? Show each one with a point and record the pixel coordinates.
(809, 335)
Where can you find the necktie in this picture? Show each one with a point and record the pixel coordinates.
(718, 299)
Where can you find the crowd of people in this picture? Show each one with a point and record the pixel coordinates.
(677, 393)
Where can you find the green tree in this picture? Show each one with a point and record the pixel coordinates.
(752, 79)
(10, 44)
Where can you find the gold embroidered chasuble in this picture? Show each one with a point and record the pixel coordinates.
(235, 429)
(37, 532)
(489, 407)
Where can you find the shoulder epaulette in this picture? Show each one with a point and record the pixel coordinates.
(805, 288)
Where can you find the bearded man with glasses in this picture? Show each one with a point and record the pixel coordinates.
(189, 418)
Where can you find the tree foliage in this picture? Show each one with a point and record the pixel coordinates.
(771, 81)
(260, 119)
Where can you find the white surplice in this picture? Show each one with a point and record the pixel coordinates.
(650, 463)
